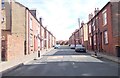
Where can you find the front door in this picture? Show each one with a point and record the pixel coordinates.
(101, 41)
(4, 49)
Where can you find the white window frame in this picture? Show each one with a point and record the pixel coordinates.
(93, 25)
(106, 37)
(94, 39)
(90, 41)
(104, 15)
(39, 43)
(81, 31)
(89, 28)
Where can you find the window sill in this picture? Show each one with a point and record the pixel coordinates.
(106, 43)
(104, 25)
(31, 29)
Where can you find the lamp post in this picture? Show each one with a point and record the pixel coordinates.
(79, 30)
(95, 36)
(98, 35)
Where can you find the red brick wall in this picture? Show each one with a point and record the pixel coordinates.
(15, 47)
(77, 37)
(107, 48)
(112, 41)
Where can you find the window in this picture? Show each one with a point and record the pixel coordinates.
(104, 17)
(9, 1)
(105, 37)
(82, 41)
(89, 28)
(90, 41)
(42, 32)
(31, 40)
(93, 25)
(81, 31)
(3, 4)
(38, 42)
(94, 39)
(38, 29)
(30, 23)
(97, 22)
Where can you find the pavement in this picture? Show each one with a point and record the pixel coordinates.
(101, 54)
(8, 66)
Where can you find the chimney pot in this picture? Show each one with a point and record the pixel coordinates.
(40, 21)
(96, 11)
(90, 16)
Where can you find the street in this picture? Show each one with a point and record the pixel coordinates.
(66, 62)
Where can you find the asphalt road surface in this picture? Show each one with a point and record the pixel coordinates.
(66, 62)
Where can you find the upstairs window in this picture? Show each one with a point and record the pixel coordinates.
(30, 23)
(104, 17)
(38, 43)
(89, 28)
(3, 4)
(93, 25)
(81, 31)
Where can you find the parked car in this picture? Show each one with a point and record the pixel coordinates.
(57, 46)
(72, 46)
(80, 48)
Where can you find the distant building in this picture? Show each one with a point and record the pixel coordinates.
(62, 42)
(75, 38)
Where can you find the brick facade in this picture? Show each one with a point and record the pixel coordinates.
(105, 37)
(23, 36)
(72, 39)
(80, 36)
(13, 52)
(102, 29)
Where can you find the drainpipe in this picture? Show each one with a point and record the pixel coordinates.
(96, 38)
(11, 16)
(0, 30)
(98, 35)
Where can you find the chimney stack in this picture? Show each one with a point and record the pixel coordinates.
(33, 12)
(82, 23)
(40, 21)
(96, 11)
(90, 16)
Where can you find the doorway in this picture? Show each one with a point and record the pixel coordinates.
(4, 50)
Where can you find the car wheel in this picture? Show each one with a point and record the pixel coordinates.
(76, 51)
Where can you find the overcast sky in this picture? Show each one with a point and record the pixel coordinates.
(61, 16)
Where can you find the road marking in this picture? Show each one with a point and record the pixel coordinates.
(54, 57)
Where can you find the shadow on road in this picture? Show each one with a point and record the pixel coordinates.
(65, 68)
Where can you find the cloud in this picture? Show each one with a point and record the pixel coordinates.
(61, 16)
